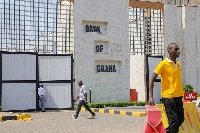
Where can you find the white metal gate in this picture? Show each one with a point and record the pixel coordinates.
(18, 81)
(22, 72)
(55, 74)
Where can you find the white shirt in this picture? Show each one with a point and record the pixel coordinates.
(41, 91)
(82, 92)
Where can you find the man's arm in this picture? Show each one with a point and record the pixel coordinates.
(76, 99)
(151, 81)
(85, 95)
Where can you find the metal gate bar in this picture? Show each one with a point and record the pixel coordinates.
(146, 35)
(35, 26)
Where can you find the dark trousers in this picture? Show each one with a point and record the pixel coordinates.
(43, 100)
(175, 113)
(81, 103)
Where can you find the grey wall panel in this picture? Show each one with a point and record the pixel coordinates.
(54, 68)
(58, 95)
(18, 96)
(153, 62)
(157, 92)
(198, 48)
(18, 67)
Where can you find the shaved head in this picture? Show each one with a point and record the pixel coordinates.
(173, 51)
(170, 46)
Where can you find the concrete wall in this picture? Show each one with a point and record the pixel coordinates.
(198, 47)
(182, 27)
(190, 47)
(112, 17)
(138, 75)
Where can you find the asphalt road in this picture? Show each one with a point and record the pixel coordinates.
(61, 122)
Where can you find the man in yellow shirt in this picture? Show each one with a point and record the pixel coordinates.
(171, 91)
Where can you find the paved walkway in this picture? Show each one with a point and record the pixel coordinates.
(61, 122)
(129, 109)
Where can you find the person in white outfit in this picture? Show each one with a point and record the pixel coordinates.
(42, 93)
(82, 100)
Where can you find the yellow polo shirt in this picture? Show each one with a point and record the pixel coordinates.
(171, 78)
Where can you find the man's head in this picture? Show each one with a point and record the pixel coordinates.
(173, 50)
(80, 83)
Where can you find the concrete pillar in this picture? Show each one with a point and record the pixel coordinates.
(179, 39)
(190, 46)
(111, 17)
(198, 47)
(169, 25)
(173, 26)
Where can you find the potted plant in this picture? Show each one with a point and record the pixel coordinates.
(189, 93)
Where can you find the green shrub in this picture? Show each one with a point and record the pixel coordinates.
(188, 88)
(0, 108)
(140, 103)
(116, 104)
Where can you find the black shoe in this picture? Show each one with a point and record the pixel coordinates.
(93, 116)
(43, 111)
(73, 117)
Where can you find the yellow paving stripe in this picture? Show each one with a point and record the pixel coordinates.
(138, 113)
(122, 112)
(141, 114)
(101, 110)
(111, 112)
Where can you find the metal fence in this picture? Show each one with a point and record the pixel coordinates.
(44, 26)
(146, 33)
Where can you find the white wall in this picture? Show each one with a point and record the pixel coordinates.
(113, 16)
(138, 75)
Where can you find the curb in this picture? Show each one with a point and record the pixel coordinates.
(111, 111)
(16, 117)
